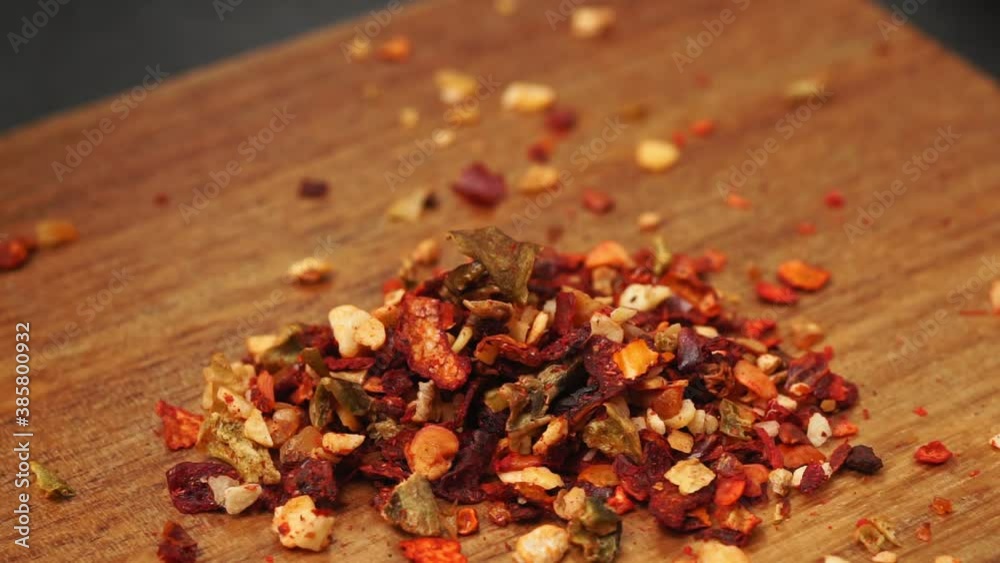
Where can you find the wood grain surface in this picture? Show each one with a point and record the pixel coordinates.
(105, 350)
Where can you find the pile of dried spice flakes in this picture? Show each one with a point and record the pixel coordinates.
(524, 385)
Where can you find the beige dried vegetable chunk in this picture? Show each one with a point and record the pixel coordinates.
(355, 329)
(409, 207)
(431, 451)
(780, 480)
(643, 297)
(409, 117)
(712, 551)
(555, 432)
(55, 232)
(538, 178)
(649, 221)
(592, 21)
(527, 97)
(235, 404)
(310, 270)
(690, 476)
(299, 524)
(681, 441)
(654, 155)
(545, 544)
(238, 498)
(884, 557)
(455, 86)
(818, 430)
(541, 476)
(569, 504)
(427, 252)
(339, 445)
(255, 428)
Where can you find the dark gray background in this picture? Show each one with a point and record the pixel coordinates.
(93, 48)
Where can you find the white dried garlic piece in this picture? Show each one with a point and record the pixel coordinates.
(298, 524)
(310, 270)
(355, 329)
(602, 325)
(818, 430)
(654, 155)
(541, 476)
(218, 484)
(547, 543)
(681, 441)
(768, 363)
(592, 21)
(780, 480)
(255, 428)
(570, 504)
(527, 97)
(642, 297)
(555, 432)
(235, 404)
(690, 476)
(239, 498)
(683, 418)
(455, 86)
(341, 444)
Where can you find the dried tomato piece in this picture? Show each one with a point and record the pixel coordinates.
(834, 199)
(800, 275)
(933, 453)
(176, 545)
(424, 342)
(670, 507)
(13, 254)
(728, 490)
(560, 120)
(839, 456)
(312, 477)
(863, 460)
(942, 506)
(924, 532)
(180, 427)
(803, 454)
(777, 294)
(466, 521)
(479, 186)
(433, 550)
(812, 478)
(187, 483)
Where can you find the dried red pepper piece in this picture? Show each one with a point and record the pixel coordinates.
(176, 545)
(180, 427)
(597, 202)
(13, 254)
(933, 453)
(803, 276)
(422, 327)
(560, 121)
(433, 550)
(187, 483)
(834, 199)
(777, 294)
(479, 186)
(812, 478)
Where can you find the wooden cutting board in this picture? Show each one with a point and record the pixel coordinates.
(189, 284)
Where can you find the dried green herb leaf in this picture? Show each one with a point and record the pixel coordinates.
(412, 507)
(598, 531)
(349, 396)
(50, 483)
(736, 420)
(508, 261)
(285, 351)
(615, 434)
(529, 398)
(322, 405)
(464, 277)
(222, 437)
(661, 255)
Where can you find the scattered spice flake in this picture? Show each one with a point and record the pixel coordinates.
(422, 326)
(737, 201)
(509, 262)
(777, 294)
(875, 533)
(702, 128)
(479, 186)
(805, 228)
(541, 150)
(13, 254)
(359, 48)
(560, 120)
(920, 411)
(933, 453)
(454, 86)
(161, 199)
(466, 521)
(462, 115)
(52, 485)
(656, 156)
(505, 7)
(678, 139)
(176, 546)
(975, 473)
(649, 221)
(396, 49)
(800, 275)
(589, 22)
(597, 202)
(409, 117)
(180, 427)
(995, 296)
(310, 270)
(538, 178)
(55, 232)
(633, 111)
(702, 80)
(995, 441)
(312, 188)
(443, 138)
(834, 199)
(942, 506)
(411, 206)
(433, 550)
(924, 532)
(527, 97)
(805, 89)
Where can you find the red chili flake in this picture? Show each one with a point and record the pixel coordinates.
(812, 478)
(176, 546)
(800, 275)
(861, 522)
(975, 473)
(396, 49)
(553, 233)
(187, 483)
(728, 490)
(920, 411)
(777, 294)
(422, 325)
(973, 312)
(802, 454)
(13, 254)
(541, 150)
(679, 139)
(715, 260)
(433, 550)
(702, 80)
(161, 199)
(924, 532)
(865, 414)
(311, 188)
(805, 228)
(619, 502)
(466, 521)
(942, 506)
(933, 453)
(180, 427)
(560, 120)
(737, 201)
(702, 127)
(597, 202)
(834, 199)
(479, 186)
